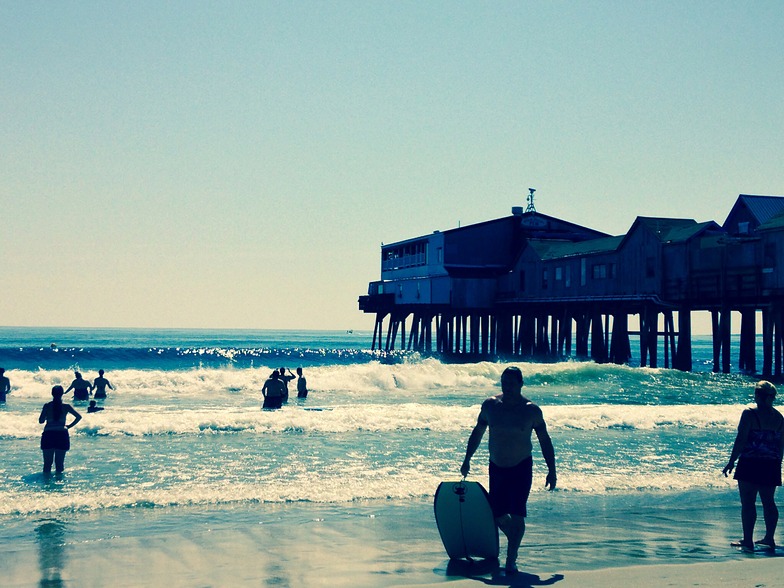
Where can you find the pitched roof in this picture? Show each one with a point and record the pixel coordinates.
(667, 229)
(549, 249)
(762, 208)
(681, 234)
(774, 223)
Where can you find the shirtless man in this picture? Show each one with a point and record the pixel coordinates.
(512, 418)
(302, 384)
(81, 387)
(99, 384)
(273, 391)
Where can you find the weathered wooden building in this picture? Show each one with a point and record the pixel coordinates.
(533, 285)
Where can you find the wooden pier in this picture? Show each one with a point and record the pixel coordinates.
(533, 286)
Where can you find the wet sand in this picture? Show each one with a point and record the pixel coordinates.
(370, 544)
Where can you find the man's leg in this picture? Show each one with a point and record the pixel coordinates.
(513, 526)
(771, 514)
(748, 511)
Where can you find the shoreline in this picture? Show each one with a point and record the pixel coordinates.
(372, 543)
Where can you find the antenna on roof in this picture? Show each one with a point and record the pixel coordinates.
(530, 207)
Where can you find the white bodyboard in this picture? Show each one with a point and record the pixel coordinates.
(465, 520)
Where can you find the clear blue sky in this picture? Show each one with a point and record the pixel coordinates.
(237, 164)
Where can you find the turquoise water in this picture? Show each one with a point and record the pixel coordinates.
(184, 429)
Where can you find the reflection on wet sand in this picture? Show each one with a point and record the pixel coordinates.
(52, 556)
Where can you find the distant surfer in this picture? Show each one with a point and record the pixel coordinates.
(273, 391)
(5, 385)
(302, 384)
(286, 379)
(100, 384)
(80, 386)
(512, 419)
(758, 448)
(93, 407)
(55, 441)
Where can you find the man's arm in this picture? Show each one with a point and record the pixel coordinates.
(473, 442)
(548, 452)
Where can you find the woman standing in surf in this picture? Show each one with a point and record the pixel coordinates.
(55, 441)
(758, 448)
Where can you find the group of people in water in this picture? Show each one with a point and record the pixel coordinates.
(276, 389)
(55, 440)
(81, 388)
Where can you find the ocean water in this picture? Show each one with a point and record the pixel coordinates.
(183, 429)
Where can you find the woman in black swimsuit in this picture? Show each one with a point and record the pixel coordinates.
(758, 448)
(55, 441)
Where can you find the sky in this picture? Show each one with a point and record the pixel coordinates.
(238, 164)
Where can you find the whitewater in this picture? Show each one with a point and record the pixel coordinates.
(183, 426)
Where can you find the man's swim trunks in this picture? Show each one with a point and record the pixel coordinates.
(56, 439)
(273, 402)
(510, 487)
(81, 394)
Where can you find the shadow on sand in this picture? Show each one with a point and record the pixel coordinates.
(489, 572)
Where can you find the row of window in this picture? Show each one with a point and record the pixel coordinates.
(599, 271)
(409, 255)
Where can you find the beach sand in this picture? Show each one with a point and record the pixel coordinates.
(362, 544)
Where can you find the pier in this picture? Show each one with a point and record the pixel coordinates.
(532, 286)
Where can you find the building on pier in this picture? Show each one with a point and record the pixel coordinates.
(531, 285)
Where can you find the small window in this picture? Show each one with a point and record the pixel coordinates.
(743, 228)
(545, 279)
(568, 279)
(583, 272)
(558, 274)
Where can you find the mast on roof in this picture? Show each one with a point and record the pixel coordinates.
(530, 207)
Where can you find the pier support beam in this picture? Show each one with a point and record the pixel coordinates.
(378, 329)
(649, 336)
(620, 348)
(721, 322)
(583, 329)
(683, 358)
(598, 349)
(747, 357)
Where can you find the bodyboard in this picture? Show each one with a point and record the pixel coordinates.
(465, 520)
